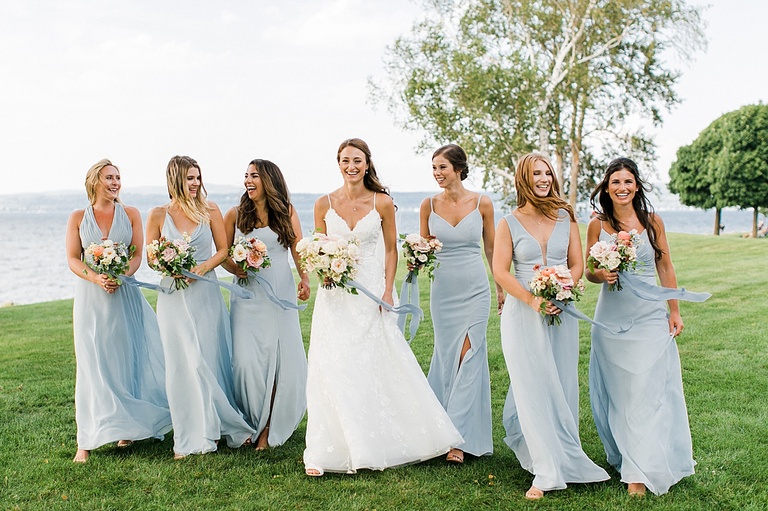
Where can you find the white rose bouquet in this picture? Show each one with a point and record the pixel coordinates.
(555, 283)
(171, 257)
(249, 254)
(333, 258)
(618, 255)
(419, 254)
(109, 258)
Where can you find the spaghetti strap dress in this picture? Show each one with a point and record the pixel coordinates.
(636, 386)
(267, 348)
(369, 405)
(120, 381)
(541, 412)
(197, 342)
(460, 303)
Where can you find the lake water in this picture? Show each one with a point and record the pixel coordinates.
(33, 265)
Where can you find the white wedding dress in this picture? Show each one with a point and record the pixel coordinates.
(368, 402)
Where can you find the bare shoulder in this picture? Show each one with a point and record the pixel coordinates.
(212, 206)
(231, 214)
(76, 217)
(658, 223)
(485, 202)
(132, 212)
(158, 211)
(593, 225)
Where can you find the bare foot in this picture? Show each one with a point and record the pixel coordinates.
(125, 443)
(262, 443)
(177, 456)
(636, 489)
(534, 493)
(455, 456)
(81, 456)
(313, 472)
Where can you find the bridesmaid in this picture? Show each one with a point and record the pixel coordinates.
(635, 383)
(460, 301)
(194, 324)
(541, 413)
(120, 382)
(269, 363)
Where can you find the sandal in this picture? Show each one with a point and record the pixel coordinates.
(313, 472)
(455, 456)
(124, 443)
(636, 489)
(534, 493)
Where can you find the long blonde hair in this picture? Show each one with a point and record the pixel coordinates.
(548, 205)
(92, 179)
(195, 208)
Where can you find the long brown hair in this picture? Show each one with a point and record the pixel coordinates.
(195, 208)
(601, 201)
(278, 204)
(548, 205)
(371, 178)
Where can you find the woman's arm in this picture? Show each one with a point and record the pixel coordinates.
(575, 257)
(321, 208)
(302, 290)
(424, 212)
(137, 239)
(667, 277)
(74, 250)
(230, 219)
(489, 236)
(386, 209)
(219, 241)
(503, 251)
(599, 275)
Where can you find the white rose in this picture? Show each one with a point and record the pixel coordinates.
(612, 260)
(338, 266)
(239, 253)
(412, 239)
(600, 250)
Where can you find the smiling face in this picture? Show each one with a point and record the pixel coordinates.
(622, 187)
(541, 178)
(253, 185)
(108, 185)
(193, 181)
(352, 164)
(443, 171)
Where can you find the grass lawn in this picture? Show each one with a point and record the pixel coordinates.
(724, 352)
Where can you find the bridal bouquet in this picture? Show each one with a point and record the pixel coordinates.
(419, 254)
(555, 283)
(333, 258)
(171, 257)
(618, 255)
(249, 254)
(109, 258)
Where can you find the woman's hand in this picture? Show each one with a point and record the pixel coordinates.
(106, 283)
(387, 298)
(241, 273)
(501, 296)
(611, 277)
(538, 304)
(675, 323)
(302, 290)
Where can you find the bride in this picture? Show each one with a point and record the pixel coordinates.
(368, 402)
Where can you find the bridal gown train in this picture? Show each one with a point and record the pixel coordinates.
(368, 402)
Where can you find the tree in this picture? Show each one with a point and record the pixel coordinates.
(727, 164)
(692, 174)
(504, 77)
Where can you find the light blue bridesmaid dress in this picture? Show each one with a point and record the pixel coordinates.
(120, 385)
(636, 386)
(197, 340)
(267, 348)
(541, 413)
(460, 302)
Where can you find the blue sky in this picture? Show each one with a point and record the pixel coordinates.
(226, 82)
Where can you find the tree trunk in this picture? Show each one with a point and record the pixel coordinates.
(560, 169)
(573, 192)
(754, 223)
(717, 221)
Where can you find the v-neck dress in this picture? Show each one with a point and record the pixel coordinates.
(267, 348)
(636, 386)
(197, 341)
(460, 303)
(541, 412)
(368, 402)
(120, 382)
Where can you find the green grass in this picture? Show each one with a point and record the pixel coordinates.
(724, 352)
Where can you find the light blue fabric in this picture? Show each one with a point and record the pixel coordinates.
(120, 383)
(197, 341)
(636, 387)
(541, 413)
(460, 302)
(267, 348)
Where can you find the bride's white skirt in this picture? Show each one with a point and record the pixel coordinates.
(368, 402)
